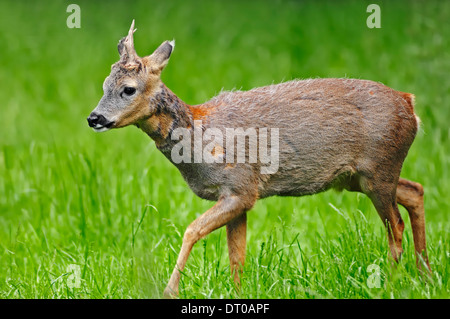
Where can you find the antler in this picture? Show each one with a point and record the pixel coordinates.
(126, 49)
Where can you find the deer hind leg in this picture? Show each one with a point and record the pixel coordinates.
(410, 196)
(236, 239)
(382, 195)
(225, 210)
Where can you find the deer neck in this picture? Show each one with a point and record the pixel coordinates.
(171, 113)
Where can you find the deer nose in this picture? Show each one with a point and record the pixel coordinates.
(95, 119)
(92, 119)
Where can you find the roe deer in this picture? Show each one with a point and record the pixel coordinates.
(333, 133)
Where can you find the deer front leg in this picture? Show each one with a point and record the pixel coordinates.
(225, 210)
(236, 239)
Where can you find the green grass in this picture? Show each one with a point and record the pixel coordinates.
(114, 207)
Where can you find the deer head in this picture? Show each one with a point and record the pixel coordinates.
(129, 89)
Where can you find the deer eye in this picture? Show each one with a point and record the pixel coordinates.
(129, 90)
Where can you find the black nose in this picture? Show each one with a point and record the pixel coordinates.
(92, 119)
(97, 119)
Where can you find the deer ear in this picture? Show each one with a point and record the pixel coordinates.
(158, 60)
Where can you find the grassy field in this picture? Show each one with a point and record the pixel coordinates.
(85, 215)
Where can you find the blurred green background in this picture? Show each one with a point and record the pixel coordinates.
(114, 209)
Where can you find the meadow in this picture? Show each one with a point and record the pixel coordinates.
(86, 215)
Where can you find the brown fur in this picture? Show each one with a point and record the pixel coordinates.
(134, 114)
(199, 112)
(157, 127)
